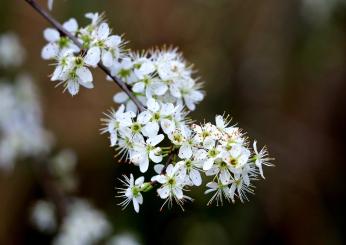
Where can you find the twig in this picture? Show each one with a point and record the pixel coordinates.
(66, 33)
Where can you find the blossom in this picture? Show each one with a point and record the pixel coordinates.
(172, 184)
(21, 123)
(131, 192)
(11, 51)
(73, 74)
(143, 151)
(103, 47)
(83, 224)
(261, 158)
(221, 192)
(43, 216)
(192, 169)
(58, 43)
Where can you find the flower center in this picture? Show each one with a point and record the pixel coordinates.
(136, 128)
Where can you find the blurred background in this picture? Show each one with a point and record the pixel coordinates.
(277, 66)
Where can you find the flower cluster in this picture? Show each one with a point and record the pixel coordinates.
(219, 151)
(162, 74)
(21, 128)
(72, 62)
(159, 135)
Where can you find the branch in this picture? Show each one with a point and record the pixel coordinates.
(66, 33)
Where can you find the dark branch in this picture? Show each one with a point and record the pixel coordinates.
(66, 33)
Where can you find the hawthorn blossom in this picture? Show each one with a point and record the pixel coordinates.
(261, 158)
(145, 151)
(12, 53)
(172, 184)
(103, 47)
(74, 74)
(221, 192)
(58, 43)
(131, 192)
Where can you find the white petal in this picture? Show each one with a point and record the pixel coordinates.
(84, 75)
(49, 51)
(71, 25)
(225, 177)
(208, 164)
(120, 97)
(163, 192)
(139, 180)
(167, 126)
(151, 129)
(153, 105)
(195, 177)
(144, 117)
(138, 87)
(135, 205)
(159, 178)
(160, 88)
(219, 122)
(212, 185)
(178, 193)
(73, 87)
(113, 41)
(158, 168)
(113, 138)
(167, 109)
(103, 31)
(155, 140)
(144, 164)
(185, 151)
(155, 158)
(51, 35)
(107, 58)
(92, 57)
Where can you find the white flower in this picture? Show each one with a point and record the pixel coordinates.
(103, 47)
(43, 216)
(115, 121)
(21, 128)
(191, 168)
(261, 158)
(143, 151)
(123, 239)
(58, 43)
(161, 113)
(75, 74)
(236, 158)
(131, 192)
(239, 188)
(11, 50)
(221, 192)
(172, 184)
(83, 224)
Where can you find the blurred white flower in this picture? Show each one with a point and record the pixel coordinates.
(43, 216)
(11, 51)
(82, 225)
(21, 128)
(123, 239)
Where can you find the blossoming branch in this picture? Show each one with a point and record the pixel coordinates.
(150, 129)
